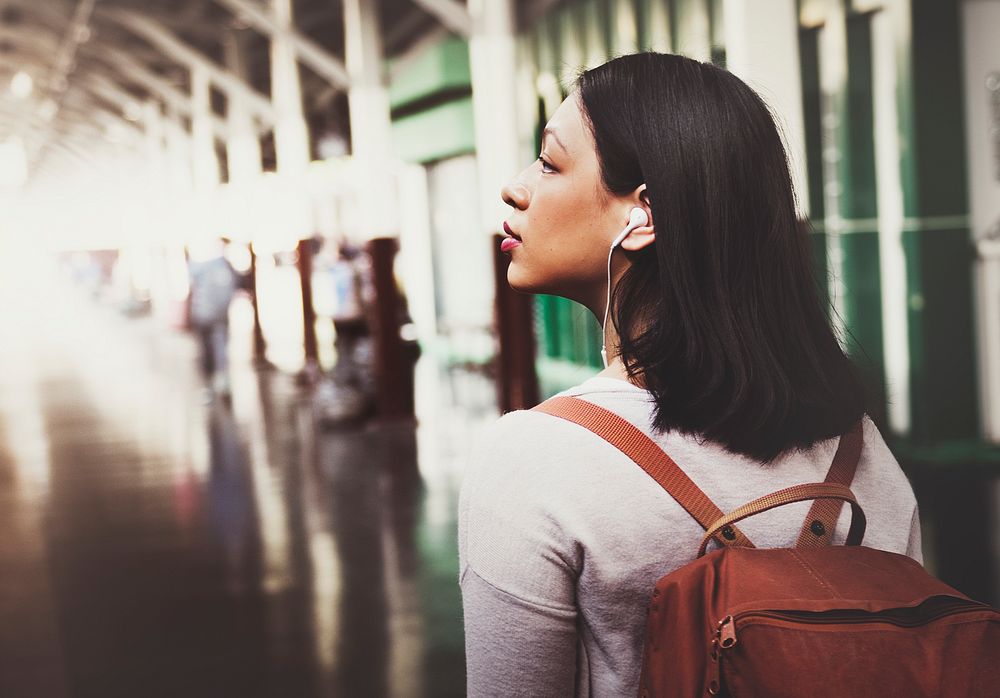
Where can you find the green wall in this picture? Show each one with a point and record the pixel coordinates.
(939, 256)
(431, 103)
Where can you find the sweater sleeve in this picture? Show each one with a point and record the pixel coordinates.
(518, 568)
(515, 647)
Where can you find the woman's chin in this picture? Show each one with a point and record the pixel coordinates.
(519, 281)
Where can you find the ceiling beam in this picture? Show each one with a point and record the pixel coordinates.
(402, 28)
(532, 12)
(76, 32)
(309, 52)
(44, 12)
(179, 51)
(36, 37)
(157, 86)
(450, 13)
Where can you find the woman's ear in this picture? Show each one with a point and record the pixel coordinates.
(644, 235)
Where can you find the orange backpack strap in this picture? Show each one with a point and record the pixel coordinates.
(628, 439)
(818, 527)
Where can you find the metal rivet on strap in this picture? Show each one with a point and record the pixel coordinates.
(817, 527)
(728, 533)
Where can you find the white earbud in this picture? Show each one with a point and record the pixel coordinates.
(636, 219)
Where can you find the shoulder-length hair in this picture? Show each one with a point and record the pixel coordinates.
(720, 316)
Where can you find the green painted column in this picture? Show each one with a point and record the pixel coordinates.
(859, 240)
(812, 116)
(936, 238)
(849, 195)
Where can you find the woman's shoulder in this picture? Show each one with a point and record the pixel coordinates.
(533, 433)
(879, 471)
(524, 441)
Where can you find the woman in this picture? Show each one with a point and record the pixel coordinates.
(719, 350)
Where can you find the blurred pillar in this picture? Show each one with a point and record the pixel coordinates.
(517, 381)
(178, 187)
(155, 164)
(393, 368)
(371, 126)
(259, 344)
(762, 48)
(179, 158)
(156, 211)
(206, 163)
(889, 205)
(305, 255)
(982, 121)
(371, 146)
(291, 135)
(693, 27)
(242, 143)
(494, 99)
(245, 165)
(936, 234)
(849, 196)
(291, 146)
(152, 122)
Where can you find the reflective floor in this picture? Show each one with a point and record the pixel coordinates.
(152, 544)
(155, 545)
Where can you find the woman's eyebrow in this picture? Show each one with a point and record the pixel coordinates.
(549, 132)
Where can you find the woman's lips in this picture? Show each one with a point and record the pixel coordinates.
(509, 243)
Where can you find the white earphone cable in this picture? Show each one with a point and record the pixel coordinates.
(637, 217)
(607, 307)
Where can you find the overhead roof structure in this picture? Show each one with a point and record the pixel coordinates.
(93, 62)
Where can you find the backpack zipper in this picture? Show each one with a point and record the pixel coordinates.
(725, 634)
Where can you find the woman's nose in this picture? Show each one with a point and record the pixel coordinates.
(515, 194)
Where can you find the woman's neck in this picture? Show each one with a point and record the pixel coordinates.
(616, 369)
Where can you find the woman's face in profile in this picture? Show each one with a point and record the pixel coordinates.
(562, 215)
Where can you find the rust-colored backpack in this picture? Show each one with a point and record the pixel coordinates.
(814, 620)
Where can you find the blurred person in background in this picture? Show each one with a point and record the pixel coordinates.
(214, 282)
(348, 393)
(349, 274)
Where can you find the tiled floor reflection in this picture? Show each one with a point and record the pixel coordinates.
(155, 546)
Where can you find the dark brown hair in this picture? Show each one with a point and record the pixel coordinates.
(721, 315)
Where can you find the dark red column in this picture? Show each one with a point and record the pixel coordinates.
(517, 381)
(393, 363)
(305, 250)
(259, 344)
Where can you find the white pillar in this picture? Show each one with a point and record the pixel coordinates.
(762, 48)
(242, 144)
(371, 125)
(154, 162)
(833, 87)
(492, 54)
(178, 149)
(892, 258)
(291, 135)
(656, 15)
(206, 164)
(152, 122)
(694, 36)
(626, 36)
(593, 34)
(982, 135)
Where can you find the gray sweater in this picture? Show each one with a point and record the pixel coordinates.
(562, 538)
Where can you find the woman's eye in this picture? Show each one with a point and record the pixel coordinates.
(545, 164)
